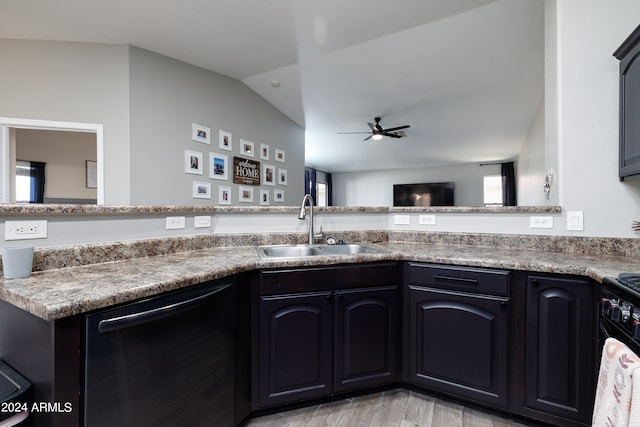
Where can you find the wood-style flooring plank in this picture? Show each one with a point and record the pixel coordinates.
(419, 410)
(393, 408)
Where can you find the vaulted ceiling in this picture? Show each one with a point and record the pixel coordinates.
(467, 75)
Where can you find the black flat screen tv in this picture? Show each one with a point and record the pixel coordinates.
(426, 194)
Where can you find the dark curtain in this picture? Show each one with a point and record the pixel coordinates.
(37, 182)
(311, 179)
(329, 190)
(310, 182)
(508, 184)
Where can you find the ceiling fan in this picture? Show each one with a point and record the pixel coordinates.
(377, 132)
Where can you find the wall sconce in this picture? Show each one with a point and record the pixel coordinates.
(548, 180)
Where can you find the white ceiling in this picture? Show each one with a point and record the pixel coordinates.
(467, 75)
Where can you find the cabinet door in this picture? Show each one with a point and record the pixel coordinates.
(458, 344)
(629, 113)
(560, 346)
(296, 347)
(366, 337)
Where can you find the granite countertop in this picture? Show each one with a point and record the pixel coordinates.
(55, 294)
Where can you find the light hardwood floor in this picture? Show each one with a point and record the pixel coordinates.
(400, 408)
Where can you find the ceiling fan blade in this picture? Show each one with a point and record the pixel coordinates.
(392, 135)
(397, 128)
(346, 133)
(368, 138)
(372, 126)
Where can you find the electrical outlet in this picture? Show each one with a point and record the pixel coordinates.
(202, 221)
(427, 219)
(175, 222)
(541, 222)
(402, 219)
(22, 230)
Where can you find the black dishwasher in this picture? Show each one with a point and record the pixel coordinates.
(166, 360)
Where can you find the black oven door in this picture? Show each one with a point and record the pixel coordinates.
(611, 327)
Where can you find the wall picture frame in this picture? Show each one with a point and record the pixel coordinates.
(201, 190)
(224, 195)
(279, 155)
(218, 166)
(282, 176)
(245, 194)
(247, 148)
(225, 140)
(278, 196)
(264, 197)
(200, 133)
(268, 174)
(264, 151)
(193, 162)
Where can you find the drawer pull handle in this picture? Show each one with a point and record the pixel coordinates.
(461, 280)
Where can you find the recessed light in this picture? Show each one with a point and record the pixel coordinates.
(275, 83)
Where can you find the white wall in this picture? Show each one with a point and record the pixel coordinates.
(531, 164)
(73, 82)
(167, 96)
(589, 31)
(375, 188)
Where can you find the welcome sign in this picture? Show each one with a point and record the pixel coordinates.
(246, 171)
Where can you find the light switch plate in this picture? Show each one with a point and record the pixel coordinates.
(575, 221)
(202, 221)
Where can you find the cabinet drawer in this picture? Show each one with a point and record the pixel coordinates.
(470, 279)
(327, 278)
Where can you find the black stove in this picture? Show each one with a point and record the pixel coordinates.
(620, 309)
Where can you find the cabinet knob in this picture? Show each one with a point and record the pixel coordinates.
(504, 305)
(535, 282)
(329, 297)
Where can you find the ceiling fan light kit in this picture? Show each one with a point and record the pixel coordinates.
(377, 131)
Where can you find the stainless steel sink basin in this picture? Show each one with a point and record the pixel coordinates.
(297, 251)
(352, 248)
(288, 251)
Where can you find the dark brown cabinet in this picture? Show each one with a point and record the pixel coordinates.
(561, 343)
(315, 344)
(629, 55)
(366, 337)
(296, 345)
(458, 332)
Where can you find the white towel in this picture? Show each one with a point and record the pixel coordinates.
(617, 401)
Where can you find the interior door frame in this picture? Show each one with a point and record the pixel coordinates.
(7, 123)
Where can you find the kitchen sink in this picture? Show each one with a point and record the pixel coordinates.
(296, 251)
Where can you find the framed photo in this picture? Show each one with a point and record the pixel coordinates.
(200, 133)
(92, 174)
(193, 162)
(268, 174)
(264, 197)
(247, 148)
(225, 142)
(264, 151)
(245, 194)
(278, 196)
(201, 190)
(282, 176)
(224, 195)
(279, 155)
(218, 166)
